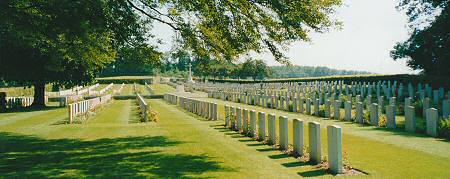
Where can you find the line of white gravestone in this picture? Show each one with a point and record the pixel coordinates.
(334, 134)
(338, 87)
(81, 108)
(374, 111)
(202, 108)
(249, 127)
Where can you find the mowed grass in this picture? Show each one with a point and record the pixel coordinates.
(113, 143)
(379, 152)
(160, 89)
(22, 91)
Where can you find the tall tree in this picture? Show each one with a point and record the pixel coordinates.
(256, 69)
(428, 47)
(63, 41)
(70, 41)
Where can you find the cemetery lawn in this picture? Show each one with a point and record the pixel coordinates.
(160, 89)
(112, 143)
(377, 151)
(182, 145)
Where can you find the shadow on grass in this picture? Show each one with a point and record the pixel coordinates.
(28, 156)
(278, 156)
(31, 109)
(313, 173)
(270, 150)
(294, 164)
(134, 113)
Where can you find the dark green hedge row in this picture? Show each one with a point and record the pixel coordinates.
(435, 81)
(126, 81)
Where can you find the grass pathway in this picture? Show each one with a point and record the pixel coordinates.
(112, 143)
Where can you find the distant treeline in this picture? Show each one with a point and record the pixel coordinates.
(308, 71)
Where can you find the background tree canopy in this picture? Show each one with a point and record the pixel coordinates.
(307, 71)
(68, 42)
(428, 47)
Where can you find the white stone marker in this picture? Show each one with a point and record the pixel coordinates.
(327, 109)
(308, 106)
(298, 136)
(252, 123)
(301, 105)
(348, 110)
(432, 121)
(359, 112)
(272, 129)
(283, 130)
(426, 105)
(233, 120)
(446, 108)
(215, 114)
(239, 119)
(227, 115)
(316, 107)
(261, 126)
(390, 115)
(392, 101)
(245, 121)
(337, 109)
(334, 134)
(410, 119)
(294, 104)
(374, 114)
(435, 96)
(315, 153)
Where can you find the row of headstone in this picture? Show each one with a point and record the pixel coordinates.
(375, 89)
(149, 88)
(119, 90)
(100, 92)
(143, 107)
(306, 105)
(81, 108)
(291, 104)
(205, 109)
(18, 102)
(68, 92)
(245, 121)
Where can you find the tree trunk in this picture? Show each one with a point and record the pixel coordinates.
(39, 95)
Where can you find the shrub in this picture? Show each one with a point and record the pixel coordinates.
(291, 108)
(444, 128)
(353, 115)
(322, 111)
(418, 107)
(153, 116)
(382, 121)
(366, 117)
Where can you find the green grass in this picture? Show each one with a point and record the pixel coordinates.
(101, 86)
(22, 91)
(113, 143)
(160, 89)
(378, 151)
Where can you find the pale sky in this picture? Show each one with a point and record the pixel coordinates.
(371, 29)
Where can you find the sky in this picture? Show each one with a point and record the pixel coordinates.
(370, 31)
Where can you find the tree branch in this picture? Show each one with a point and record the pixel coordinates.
(157, 11)
(153, 17)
